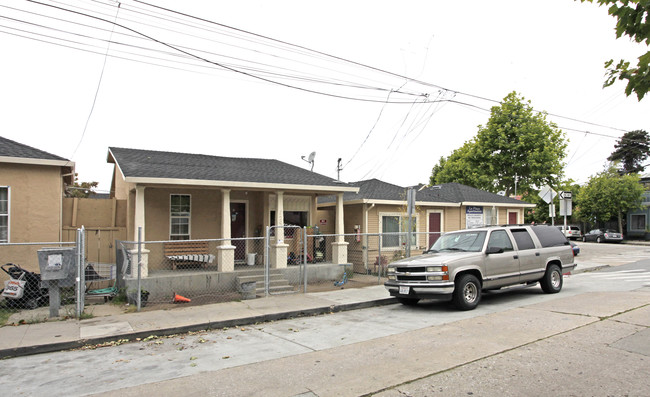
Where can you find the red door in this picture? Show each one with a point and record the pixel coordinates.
(512, 218)
(434, 227)
(238, 229)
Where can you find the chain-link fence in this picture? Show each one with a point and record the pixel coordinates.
(163, 274)
(26, 295)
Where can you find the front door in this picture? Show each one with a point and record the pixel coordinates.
(512, 218)
(238, 229)
(435, 227)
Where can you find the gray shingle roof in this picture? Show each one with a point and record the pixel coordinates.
(456, 192)
(136, 163)
(9, 148)
(374, 189)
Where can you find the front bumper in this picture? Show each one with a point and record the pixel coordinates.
(442, 291)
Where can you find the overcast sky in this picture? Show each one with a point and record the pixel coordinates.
(387, 86)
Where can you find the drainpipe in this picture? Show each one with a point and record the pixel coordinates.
(365, 236)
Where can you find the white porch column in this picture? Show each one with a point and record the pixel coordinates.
(139, 223)
(279, 248)
(226, 251)
(339, 246)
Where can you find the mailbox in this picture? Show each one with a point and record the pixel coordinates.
(57, 264)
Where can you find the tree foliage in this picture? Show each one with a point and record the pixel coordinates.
(633, 20)
(516, 142)
(81, 189)
(631, 150)
(608, 195)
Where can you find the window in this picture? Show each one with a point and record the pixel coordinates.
(4, 214)
(499, 239)
(179, 217)
(523, 239)
(293, 218)
(490, 216)
(637, 222)
(397, 224)
(549, 236)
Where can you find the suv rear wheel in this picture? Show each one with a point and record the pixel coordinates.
(552, 281)
(467, 293)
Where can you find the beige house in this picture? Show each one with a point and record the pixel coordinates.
(380, 207)
(178, 196)
(32, 186)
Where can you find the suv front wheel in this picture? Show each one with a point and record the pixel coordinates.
(467, 292)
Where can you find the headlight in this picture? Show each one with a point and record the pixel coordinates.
(391, 269)
(391, 277)
(434, 269)
(434, 278)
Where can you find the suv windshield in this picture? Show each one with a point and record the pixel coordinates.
(469, 241)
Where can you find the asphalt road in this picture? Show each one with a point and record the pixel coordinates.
(317, 346)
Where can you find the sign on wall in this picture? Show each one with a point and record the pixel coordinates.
(473, 217)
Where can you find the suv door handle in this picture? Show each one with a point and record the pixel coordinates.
(536, 253)
(515, 257)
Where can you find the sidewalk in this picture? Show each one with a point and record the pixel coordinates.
(69, 334)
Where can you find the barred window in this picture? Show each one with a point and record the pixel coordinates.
(637, 222)
(4, 214)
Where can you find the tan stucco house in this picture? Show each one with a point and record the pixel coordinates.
(32, 186)
(180, 196)
(380, 207)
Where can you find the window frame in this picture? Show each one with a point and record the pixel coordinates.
(7, 215)
(172, 217)
(639, 216)
(402, 220)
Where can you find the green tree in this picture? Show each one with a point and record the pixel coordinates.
(517, 142)
(81, 189)
(633, 20)
(631, 150)
(608, 195)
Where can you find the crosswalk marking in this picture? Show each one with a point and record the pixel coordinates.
(623, 275)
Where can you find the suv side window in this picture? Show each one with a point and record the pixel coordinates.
(523, 239)
(549, 236)
(500, 239)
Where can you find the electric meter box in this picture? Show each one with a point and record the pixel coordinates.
(57, 264)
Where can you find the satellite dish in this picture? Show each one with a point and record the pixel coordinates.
(310, 159)
(502, 193)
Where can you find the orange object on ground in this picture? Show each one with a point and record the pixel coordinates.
(179, 299)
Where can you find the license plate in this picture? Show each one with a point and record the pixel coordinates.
(404, 290)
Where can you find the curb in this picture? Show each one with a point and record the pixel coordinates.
(130, 336)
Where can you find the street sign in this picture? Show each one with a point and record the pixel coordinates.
(547, 194)
(565, 195)
(565, 207)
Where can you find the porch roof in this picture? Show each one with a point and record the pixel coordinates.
(156, 167)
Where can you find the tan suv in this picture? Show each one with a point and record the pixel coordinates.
(461, 264)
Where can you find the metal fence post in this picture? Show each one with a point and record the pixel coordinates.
(304, 256)
(379, 261)
(81, 275)
(139, 266)
(267, 252)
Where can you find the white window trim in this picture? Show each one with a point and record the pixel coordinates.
(189, 217)
(8, 212)
(496, 210)
(401, 215)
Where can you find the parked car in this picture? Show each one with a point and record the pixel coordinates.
(571, 232)
(576, 249)
(461, 264)
(603, 236)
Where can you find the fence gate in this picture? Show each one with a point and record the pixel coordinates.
(292, 278)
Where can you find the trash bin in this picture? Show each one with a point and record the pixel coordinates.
(251, 259)
(247, 289)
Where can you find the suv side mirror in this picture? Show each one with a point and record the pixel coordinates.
(494, 250)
